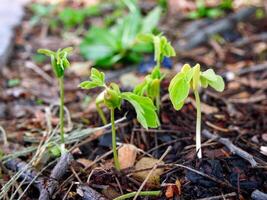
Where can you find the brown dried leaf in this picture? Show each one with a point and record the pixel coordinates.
(127, 155)
(148, 163)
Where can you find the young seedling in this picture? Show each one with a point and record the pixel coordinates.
(59, 63)
(193, 78)
(151, 84)
(112, 98)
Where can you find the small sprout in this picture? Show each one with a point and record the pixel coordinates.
(112, 98)
(151, 84)
(59, 63)
(192, 78)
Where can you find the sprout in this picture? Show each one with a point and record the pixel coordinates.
(112, 98)
(151, 84)
(193, 78)
(59, 63)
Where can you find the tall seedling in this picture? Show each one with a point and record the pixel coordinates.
(112, 98)
(192, 78)
(151, 84)
(59, 63)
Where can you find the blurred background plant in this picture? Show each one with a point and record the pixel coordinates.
(117, 43)
(105, 31)
(202, 10)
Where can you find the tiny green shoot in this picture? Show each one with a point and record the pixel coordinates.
(112, 98)
(59, 63)
(13, 82)
(151, 84)
(192, 78)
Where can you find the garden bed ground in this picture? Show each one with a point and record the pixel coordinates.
(239, 113)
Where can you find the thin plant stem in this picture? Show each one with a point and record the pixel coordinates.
(198, 125)
(144, 193)
(61, 109)
(158, 64)
(113, 129)
(158, 95)
(101, 114)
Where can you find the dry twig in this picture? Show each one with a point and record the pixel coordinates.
(234, 149)
(56, 174)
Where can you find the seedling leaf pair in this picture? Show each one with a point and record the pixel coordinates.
(162, 48)
(59, 60)
(192, 78)
(112, 97)
(209, 78)
(150, 86)
(97, 79)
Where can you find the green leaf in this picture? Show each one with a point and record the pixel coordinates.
(214, 13)
(95, 52)
(59, 60)
(131, 4)
(213, 80)
(88, 85)
(101, 36)
(46, 52)
(140, 88)
(153, 88)
(209, 75)
(157, 48)
(193, 15)
(178, 90)
(204, 82)
(112, 96)
(107, 62)
(67, 50)
(142, 48)
(57, 69)
(196, 77)
(145, 109)
(130, 28)
(162, 48)
(145, 37)
(151, 20)
(97, 80)
(218, 85)
(71, 17)
(97, 76)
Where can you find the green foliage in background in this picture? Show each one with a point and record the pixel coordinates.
(68, 17)
(215, 12)
(71, 17)
(43, 13)
(109, 45)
